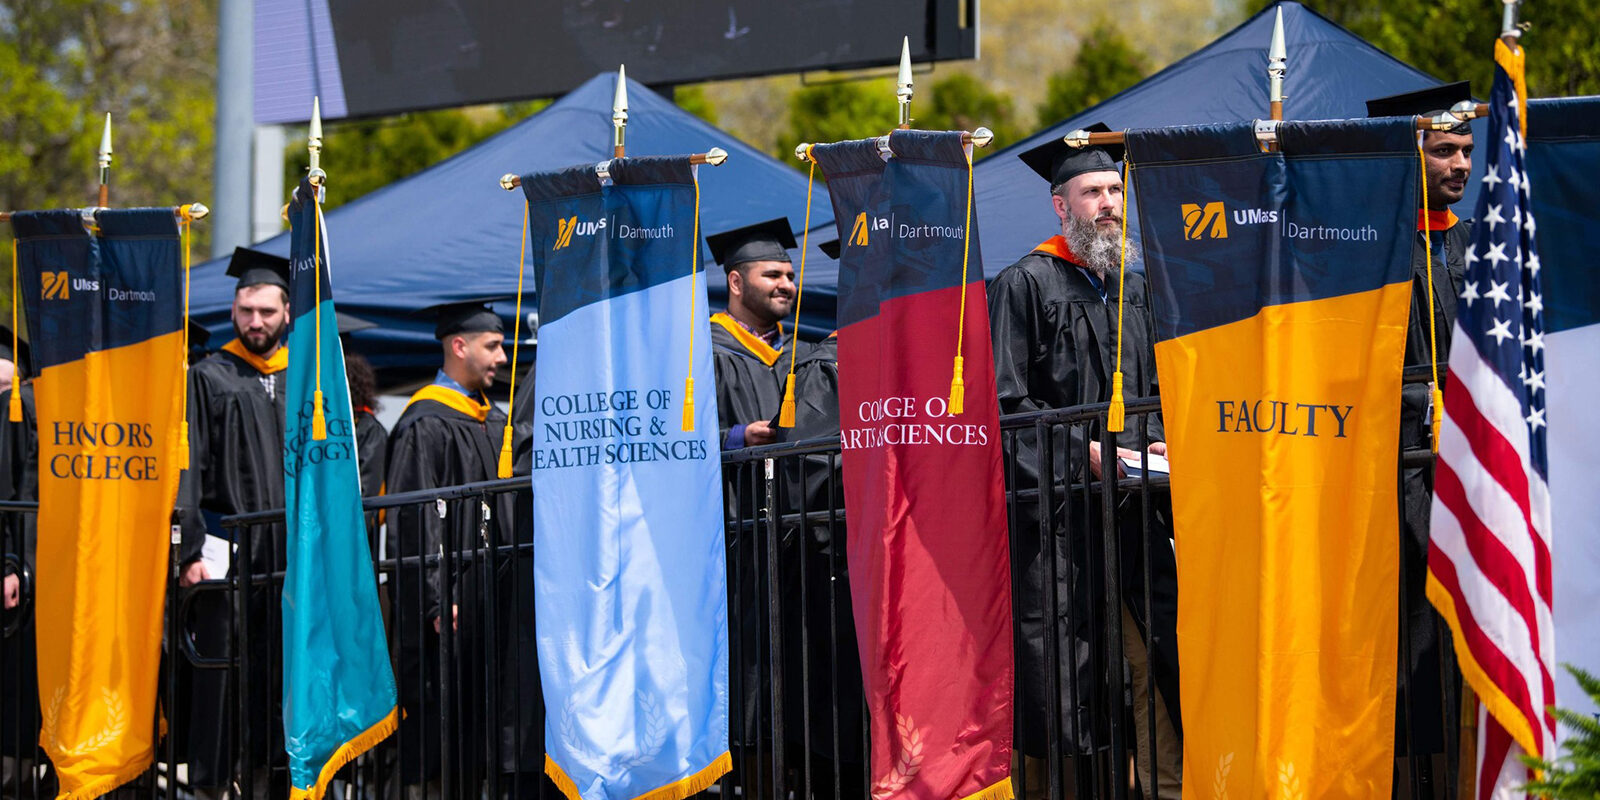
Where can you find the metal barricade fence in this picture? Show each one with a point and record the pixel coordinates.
(1094, 601)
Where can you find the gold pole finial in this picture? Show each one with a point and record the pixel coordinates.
(314, 144)
(903, 89)
(619, 112)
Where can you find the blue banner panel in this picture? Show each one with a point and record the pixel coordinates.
(631, 582)
(338, 687)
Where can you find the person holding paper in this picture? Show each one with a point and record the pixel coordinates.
(1054, 324)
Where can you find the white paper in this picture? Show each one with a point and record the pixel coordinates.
(217, 554)
(1157, 464)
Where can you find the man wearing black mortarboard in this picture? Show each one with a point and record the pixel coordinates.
(236, 421)
(1428, 709)
(450, 434)
(748, 338)
(1053, 320)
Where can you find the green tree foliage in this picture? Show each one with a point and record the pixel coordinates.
(961, 102)
(1576, 773)
(832, 112)
(366, 155)
(1106, 63)
(1454, 39)
(66, 63)
(696, 101)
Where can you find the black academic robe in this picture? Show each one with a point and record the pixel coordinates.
(372, 452)
(19, 482)
(435, 445)
(236, 421)
(817, 597)
(1428, 707)
(747, 388)
(1054, 343)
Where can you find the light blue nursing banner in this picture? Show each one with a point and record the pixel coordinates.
(631, 596)
(338, 688)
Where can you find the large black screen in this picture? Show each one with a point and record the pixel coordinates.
(391, 56)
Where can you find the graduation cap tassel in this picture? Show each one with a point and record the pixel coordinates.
(786, 410)
(958, 384)
(15, 412)
(1437, 396)
(504, 467)
(1116, 415)
(694, 273)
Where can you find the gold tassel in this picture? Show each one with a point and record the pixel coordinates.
(505, 453)
(688, 404)
(1118, 411)
(183, 445)
(958, 389)
(786, 411)
(319, 421)
(1438, 415)
(16, 402)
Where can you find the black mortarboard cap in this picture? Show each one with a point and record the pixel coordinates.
(1058, 162)
(464, 316)
(764, 241)
(350, 323)
(198, 335)
(1423, 102)
(253, 268)
(830, 248)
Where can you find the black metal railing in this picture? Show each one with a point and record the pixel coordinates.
(1093, 608)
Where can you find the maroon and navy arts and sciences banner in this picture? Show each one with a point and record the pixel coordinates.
(924, 491)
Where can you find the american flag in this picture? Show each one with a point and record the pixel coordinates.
(1489, 558)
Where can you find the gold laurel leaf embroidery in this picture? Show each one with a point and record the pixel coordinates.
(907, 765)
(1219, 785)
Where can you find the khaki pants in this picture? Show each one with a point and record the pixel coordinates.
(1168, 753)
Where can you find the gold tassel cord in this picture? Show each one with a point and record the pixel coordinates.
(504, 470)
(958, 384)
(15, 411)
(1117, 413)
(319, 420)
(786, 410)
(1436, 395)
(183, 357)
(694, 274)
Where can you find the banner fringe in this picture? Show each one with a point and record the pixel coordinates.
(677, 790)
(348, 752)
(1504, 711)
(1000, 790)
(110, 783)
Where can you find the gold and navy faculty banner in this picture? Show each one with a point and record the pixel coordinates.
(104, 299)
(1281, 284)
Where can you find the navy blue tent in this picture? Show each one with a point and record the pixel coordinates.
(1332, 73)
(451, 233)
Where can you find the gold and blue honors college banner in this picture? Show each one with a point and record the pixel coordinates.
(930, 577)
(338, 687)
(1281, 283)
(631, 594)
(104, 300)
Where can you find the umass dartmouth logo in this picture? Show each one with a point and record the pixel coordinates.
(860, 232)
(57, 286)
(566, 227)
(1209, 221)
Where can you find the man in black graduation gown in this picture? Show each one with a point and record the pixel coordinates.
(372, 439)
(19, 482)
(1428, 706)
(471, 616)
(1053, 319)
(236, 420)
(748, 338)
